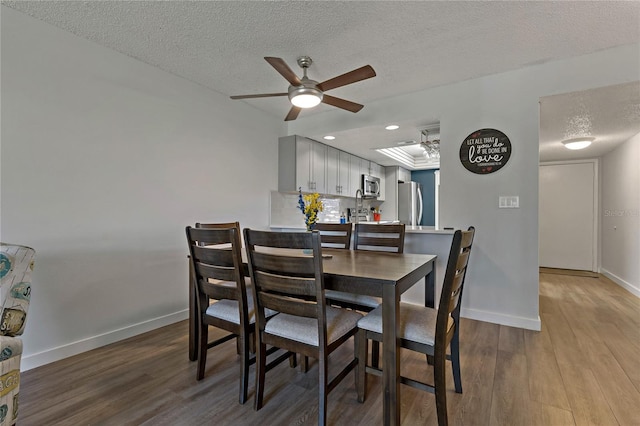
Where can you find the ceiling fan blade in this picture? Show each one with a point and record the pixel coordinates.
(359, 74)
(263, 95)
(293, 113)
(284, 70)
(341, 103)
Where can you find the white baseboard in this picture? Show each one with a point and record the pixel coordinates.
(502, 319)
(55, 354)
(622, 283)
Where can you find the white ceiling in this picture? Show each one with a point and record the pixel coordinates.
(221, 45)
(610, 114)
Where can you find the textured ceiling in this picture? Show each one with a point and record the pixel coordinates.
(411, 45)
(610, 114)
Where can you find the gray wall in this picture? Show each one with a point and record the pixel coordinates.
(620, 215)
(105, 160)
(502, 285)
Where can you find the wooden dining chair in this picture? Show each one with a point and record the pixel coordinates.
(334, 235)
(217, 275)
(372, 237)
(245, 273)
(292, 283)
(386, 237)
(427, 330)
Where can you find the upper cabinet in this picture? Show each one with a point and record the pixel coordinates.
(337, 172)
(316, 167)
(404, 175)
(357, 167)
(302, 164)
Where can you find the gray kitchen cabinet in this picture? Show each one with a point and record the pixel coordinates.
(404, 175)
(302, 164)
(357, 167)
(337, 171)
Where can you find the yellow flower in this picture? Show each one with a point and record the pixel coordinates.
(312, 206)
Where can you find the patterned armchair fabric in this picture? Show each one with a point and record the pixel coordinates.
(16, 264)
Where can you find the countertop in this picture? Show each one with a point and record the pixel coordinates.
(408, 229)
(427, 230)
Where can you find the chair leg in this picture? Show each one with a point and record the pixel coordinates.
(455, 362)
(375, 354)
(238, 345)
(202, 352)
(304, 364)
(361, 374)
(244, 339)
(440, 386)
(322, 389)
(261, 360)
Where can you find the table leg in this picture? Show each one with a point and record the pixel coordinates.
(430, 296)
(391, 360)
(193, 332)
(430, 288)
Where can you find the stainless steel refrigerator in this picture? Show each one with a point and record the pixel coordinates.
(410, 203)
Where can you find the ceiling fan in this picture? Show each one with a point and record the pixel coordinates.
(306, 93)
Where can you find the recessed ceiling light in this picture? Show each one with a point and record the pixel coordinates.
(577, 143)
(392, 127)
(329, 137)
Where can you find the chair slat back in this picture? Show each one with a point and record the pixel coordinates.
(334, 235)
(290, 262)
(453, 284)
(286, 281)
(216, 263)
(387, 237)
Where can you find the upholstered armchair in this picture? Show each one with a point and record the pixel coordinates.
(16, 264)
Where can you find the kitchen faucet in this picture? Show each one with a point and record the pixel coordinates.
(358, 208)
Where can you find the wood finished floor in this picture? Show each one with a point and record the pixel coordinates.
(583, 368)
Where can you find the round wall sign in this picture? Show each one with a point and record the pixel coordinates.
(485, 151)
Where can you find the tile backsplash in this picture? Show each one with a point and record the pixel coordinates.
(285, 213)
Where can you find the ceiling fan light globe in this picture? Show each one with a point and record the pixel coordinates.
(305, 101)
(305, 97)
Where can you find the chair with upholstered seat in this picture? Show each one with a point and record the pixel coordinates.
(428, 330)
(217, 275)
(386, 237)
(334, 235)
(372, 237)
(291, 282)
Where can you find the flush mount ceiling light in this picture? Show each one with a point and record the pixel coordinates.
(577, 143)
(392, 127)
(329, 137)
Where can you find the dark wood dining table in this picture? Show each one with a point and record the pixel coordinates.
(380, 274)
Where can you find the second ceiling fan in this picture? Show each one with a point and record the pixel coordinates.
(306, 93)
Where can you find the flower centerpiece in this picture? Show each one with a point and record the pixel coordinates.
(310, 205)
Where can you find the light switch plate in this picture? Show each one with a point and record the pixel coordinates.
(509, 202)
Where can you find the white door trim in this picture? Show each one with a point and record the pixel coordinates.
(595, 267)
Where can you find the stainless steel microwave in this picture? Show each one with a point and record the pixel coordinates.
(370, 186)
